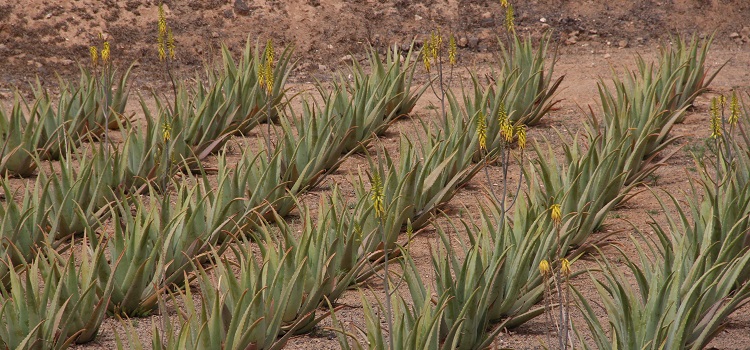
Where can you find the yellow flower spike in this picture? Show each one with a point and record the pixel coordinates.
(162, 21)
(426, 53)
(565, 267)
(378, 197)
(734, 109)
(544, 268)
(521, 132)
(265, 72)
(170, 44)
(504, 3)
(556, 213)
(510, 19)
(94, 55)
(161, 47)
(269, 51)
(436, 43)
(166, 132)
(452, 50)
(715, 118)
(105, 53)
(506, 130)
(482, 131)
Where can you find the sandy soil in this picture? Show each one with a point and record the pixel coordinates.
(42, 38)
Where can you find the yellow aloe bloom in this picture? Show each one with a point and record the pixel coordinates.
(482, 131)
(556, 213)
(162, 48)
(521, 132)
(170, 44)
(544, 268)
(715, 118)
(452, 49)
(267, 69)
(510, 19)
(378, 197)
(94, 55)
(105, 53)
(565, 267)
(504, 3)
(436, 44)
(166, 132)
(162, 21)
(426, 53)
(506, 130)
(734, 109)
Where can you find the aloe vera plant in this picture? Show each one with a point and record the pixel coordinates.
(417, 325)
(102, 97)
(681, 301)
(135, 249)
(238, 310)
(19, 138)
(428, 174)
(638, 110)
(241, 89)
(359, 107)
(328, 252)
(314, 147)
(73, 197)
(252, 191)
(156, 245)
(392, 79)
(497, 285)
(522, 86)
(54, 304)
(590, 185)
(683, 74)
(22, 227)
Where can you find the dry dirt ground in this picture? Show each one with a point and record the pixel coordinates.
(44, 38)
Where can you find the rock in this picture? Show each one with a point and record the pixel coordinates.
(543, 20)
(622, 44)
(228, 14)
(487, 15)
(571, 41)
(593, 31)
(241, 8)
(473, 42)
(214, 35)
(463, 41)
(607, 56)
(734, 35)
(545, 25)
(66, 62)
(3, 47)
(322, 67)
(405, 46)
(745, 31)
(417, 17)
(640, 40)
(346, 59)
(574, 33)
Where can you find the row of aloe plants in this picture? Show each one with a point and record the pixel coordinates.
(499, 283)
(157, 243)
(696, 273)
(46, 127)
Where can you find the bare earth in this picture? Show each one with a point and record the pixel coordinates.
(44, 37)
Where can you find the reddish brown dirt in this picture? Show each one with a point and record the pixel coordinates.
(41, 38)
